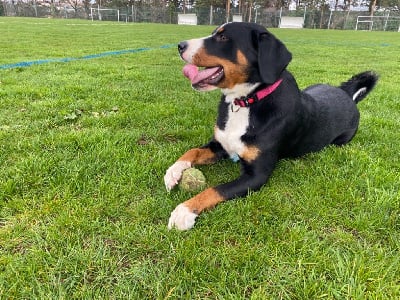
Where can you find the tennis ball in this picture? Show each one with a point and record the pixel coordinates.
(192, 180)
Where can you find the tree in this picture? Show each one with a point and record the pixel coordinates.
(75, 4)
(371, 7)
(208, 3)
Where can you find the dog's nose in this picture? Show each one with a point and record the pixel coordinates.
(182, 46)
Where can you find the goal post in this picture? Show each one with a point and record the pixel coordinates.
(104, 14)
(364, 20)
(385, 23)
(292, 19)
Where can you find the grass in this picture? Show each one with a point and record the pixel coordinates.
(84, 146)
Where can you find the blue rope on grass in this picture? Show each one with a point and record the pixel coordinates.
(25, 64)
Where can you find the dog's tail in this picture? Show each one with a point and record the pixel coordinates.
(360, 85)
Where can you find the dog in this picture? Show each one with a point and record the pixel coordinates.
(262, 115)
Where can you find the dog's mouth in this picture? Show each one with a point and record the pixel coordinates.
(205, 79)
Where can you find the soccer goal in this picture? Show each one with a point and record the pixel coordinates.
(294, 20)
(105, 14)
(385, 23)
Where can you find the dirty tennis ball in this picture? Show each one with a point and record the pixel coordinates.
(192, 180)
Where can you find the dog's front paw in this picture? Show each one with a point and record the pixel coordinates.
(182, 218)
(174, 174)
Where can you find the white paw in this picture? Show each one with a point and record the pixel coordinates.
(174, 173)
(182, 218)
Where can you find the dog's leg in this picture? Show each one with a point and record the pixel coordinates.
(207, 154)
(184, 215)
(253, 176)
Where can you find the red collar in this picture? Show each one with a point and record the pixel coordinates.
(246, 101)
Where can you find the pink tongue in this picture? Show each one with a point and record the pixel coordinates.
(195, 76)
(190, 71)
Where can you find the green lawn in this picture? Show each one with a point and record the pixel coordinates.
(84, 146)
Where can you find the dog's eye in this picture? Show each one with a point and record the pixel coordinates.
(221, 38)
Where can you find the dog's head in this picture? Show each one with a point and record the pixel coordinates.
(234, 53)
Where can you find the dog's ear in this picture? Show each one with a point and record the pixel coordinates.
(273, 57)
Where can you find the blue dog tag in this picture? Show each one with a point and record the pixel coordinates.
(235, 158)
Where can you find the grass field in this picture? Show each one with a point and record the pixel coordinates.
(84, 146)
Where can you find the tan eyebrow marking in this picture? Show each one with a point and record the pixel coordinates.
(218, 30)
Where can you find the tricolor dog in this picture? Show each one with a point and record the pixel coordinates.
(262, 115)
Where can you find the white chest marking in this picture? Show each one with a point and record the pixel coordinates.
(237, 122)
(235, 128)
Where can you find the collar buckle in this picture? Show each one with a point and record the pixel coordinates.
(246, 101)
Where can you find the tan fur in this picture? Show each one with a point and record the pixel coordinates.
(235, 72)
(250, 154)
(203, 201)
(198, 156)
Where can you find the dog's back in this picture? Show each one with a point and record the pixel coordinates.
(334, 110)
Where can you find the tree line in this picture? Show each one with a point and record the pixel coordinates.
(242, 4)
